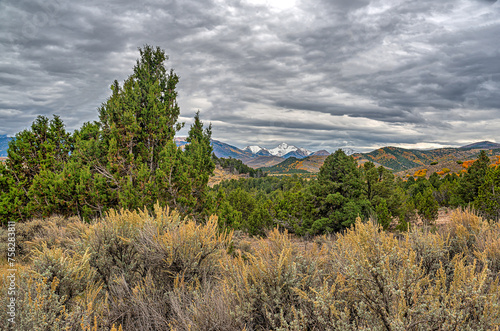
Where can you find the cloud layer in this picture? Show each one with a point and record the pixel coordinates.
(320, 74)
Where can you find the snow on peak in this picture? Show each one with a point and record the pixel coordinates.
(284, 149)
(281, 150)
(348, 150)
(253, 149)
(305, 151)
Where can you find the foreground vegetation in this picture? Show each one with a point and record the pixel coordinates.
(159, 271)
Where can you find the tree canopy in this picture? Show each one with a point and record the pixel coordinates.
(128, 158)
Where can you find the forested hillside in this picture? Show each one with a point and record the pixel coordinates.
(399, 159)
(309, 164)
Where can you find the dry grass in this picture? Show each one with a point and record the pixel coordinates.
(141, 271)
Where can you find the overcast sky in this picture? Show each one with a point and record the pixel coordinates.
(319, 74)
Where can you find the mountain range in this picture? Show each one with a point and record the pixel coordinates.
(282, 150)
(257, 157)
(286, 158)
(399, 160)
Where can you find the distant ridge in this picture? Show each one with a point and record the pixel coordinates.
(292, 165)
(321, 152)
(225, 150)
(481, 145)
(394, 158)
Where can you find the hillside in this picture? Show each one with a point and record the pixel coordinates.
(262, 161)
(310, 164)
(442, 168)
(400, 160)
(482, 145)
(221, 174)
(225, 150)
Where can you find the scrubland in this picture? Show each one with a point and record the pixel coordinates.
(158, 271)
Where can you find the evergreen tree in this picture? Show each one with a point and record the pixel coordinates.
(474, 178)
(198, 154)
(293, 209)
(427, 206)
(44, 148)
(487, 201)
(129, 158)
(137, 123)
(384, 217)
(380, 185)
(339, 194)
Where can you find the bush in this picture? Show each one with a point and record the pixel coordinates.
(474, 237)
(123, 271)
(266, 284)
(142, 271)
(140, 258)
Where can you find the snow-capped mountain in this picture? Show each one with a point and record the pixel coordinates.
(257, 150)
(253, 149)
(282, 150)
(348, 150)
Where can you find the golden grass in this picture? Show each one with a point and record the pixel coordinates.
(154, 271)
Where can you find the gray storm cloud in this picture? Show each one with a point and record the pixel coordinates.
(322, 74)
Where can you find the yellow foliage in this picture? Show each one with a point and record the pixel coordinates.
(468, 163)
(420, 173)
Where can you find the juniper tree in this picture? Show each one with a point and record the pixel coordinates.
(487, 201)
(129, 157)
(339, 194)
(132, 146)
(474, 178)
(198, 154)
(45, 147)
